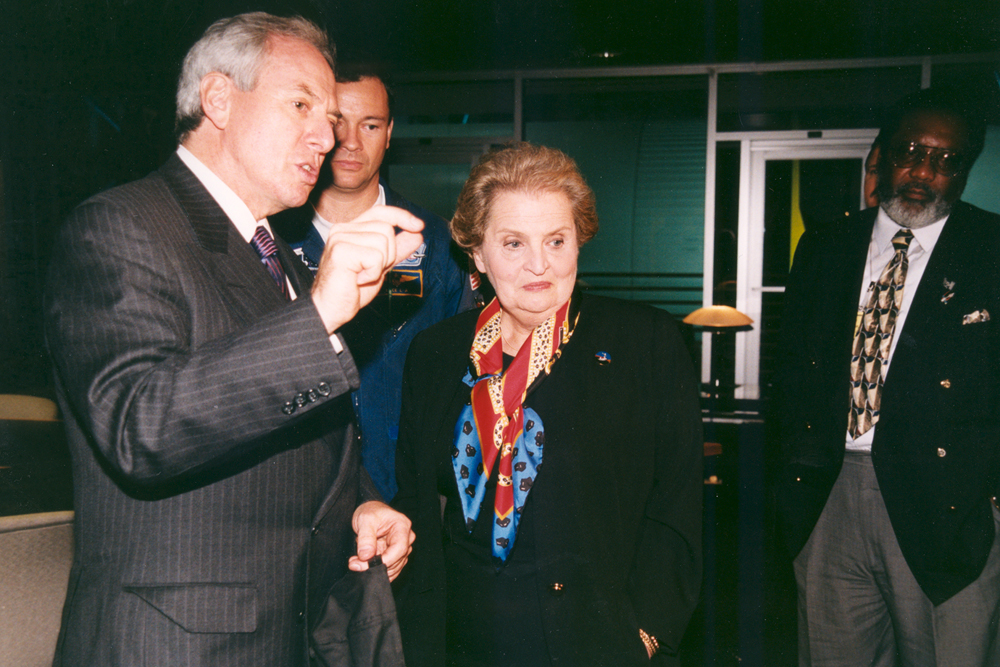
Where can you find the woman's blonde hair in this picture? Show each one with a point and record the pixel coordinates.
(526, 168)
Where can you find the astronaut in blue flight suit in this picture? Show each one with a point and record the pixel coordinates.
(429, 286)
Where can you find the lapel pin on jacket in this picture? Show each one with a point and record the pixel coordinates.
(603, 358)
(949, 285)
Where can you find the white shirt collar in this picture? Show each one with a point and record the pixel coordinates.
(228, 201)
(886, 228)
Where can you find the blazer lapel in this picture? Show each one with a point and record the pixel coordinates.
(838, 288)
(237, 267)
(948, 262)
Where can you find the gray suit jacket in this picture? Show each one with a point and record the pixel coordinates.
(215, 464)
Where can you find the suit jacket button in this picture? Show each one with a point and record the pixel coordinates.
(324, 389)
(556, 588)
(946, 383)
(288, 408)
(315, 530)
(941, 452)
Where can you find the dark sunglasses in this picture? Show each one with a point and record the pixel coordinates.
(943, 161)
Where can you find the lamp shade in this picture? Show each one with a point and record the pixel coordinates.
(31, 408)
(718, 317)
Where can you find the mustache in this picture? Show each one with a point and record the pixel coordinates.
(914, 188)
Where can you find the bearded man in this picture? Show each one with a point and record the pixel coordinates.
(889, 410)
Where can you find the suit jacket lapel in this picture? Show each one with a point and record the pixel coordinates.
(239, 271)
(839, 288)
(946, 261)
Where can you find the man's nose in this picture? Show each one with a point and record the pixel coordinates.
(347, 136)
(923, 170)
(322, 138)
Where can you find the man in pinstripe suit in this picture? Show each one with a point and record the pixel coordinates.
(216, 471)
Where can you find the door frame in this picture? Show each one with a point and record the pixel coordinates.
(755, 152)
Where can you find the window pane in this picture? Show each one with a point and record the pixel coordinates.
(640, 142)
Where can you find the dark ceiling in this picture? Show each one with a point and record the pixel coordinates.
(86, 86)
(116, 44)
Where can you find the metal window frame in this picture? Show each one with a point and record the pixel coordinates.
(711, 71)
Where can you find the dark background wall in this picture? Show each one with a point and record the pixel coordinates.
(86, 86)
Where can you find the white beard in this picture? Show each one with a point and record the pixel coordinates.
(914, 215)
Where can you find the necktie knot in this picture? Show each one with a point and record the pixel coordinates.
(263, 243)
(901, 241)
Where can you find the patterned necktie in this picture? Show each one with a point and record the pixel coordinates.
(264, 245)
(873, 339)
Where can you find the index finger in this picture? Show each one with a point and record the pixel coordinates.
(392, 215)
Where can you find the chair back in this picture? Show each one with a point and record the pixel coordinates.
(35, 470)
(30, 408)
(36, 552)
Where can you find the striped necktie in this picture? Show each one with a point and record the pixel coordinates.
(264, 245)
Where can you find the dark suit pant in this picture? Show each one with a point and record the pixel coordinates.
(859, 604)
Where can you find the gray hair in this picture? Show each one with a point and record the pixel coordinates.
(237, 47)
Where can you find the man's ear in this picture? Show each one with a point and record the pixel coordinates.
(217, 98)
(388, 134)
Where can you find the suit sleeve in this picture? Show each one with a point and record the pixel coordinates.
(665, 580)
(138, 364)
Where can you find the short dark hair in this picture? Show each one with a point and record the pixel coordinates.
(944, 100)
(352, 71)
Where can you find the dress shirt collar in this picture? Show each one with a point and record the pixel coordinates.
(323, 226)
(228, 201)
(886, 228)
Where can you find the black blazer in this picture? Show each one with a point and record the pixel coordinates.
(936, 450)
(215, 467)
(617, 501)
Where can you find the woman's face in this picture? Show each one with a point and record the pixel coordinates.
(529, 253)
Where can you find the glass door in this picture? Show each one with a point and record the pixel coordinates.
(787, 185)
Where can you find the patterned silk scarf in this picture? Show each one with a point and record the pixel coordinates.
(495, 423)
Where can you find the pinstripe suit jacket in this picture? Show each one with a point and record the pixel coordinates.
(209, 521)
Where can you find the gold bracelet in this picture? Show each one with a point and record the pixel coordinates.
(652, 646)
